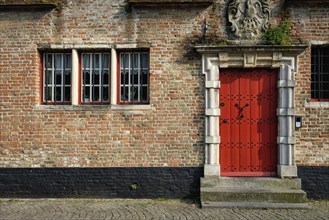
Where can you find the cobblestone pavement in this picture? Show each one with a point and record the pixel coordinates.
(63, 209)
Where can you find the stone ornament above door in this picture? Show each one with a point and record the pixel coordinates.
(248, 18)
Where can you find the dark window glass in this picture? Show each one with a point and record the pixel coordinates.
(134, 77)
(320, 73)
(95, 78)
(56, 78)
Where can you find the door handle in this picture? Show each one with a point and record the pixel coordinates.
(225, 120)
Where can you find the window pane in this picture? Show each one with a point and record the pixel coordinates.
(106, 94)
(134, 93)
(58, 93)
(86, 61)
(49, 61)
(313, 68)
(124, 93)
(68, 60)
(67, 77)
(48, 94)
(134, 77)
(58, 77)
(144, 78)
(105, 61)
(135, 60)
(325, 77)
(326, 94)
(106, 78)
(48, 78)
(96, 77)
(58, 61)
(125, 60)
(86, 78)
(145, 60)
(96, 61)
(67, 94)
(86, 94)
(144, 96)
(124, 77)
(96, 95)
(323, 86)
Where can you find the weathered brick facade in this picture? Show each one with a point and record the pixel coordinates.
(169, 132)
(311, 26)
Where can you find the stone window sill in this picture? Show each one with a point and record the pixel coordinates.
(316, 104)
(93, 107)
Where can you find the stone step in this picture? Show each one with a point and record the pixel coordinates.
(259, 205)
(252, 182)
(251, 195)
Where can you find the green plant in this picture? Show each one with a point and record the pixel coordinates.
(133, 186)
(278, 35)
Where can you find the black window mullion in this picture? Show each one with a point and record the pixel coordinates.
(319, 79)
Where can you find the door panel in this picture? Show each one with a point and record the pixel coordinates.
(248, 123)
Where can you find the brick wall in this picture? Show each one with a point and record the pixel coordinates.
(171, 131)
(311, 26)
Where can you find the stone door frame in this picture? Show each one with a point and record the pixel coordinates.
(283, 58)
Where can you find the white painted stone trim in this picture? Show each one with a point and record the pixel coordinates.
(316, 104)
(132, 107)
(77, 46)
(212, 112)
(114, 83)
(213, 84)
(75, 77)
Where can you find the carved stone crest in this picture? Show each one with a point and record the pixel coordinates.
(248, 18)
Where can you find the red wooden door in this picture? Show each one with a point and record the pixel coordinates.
(248, 122)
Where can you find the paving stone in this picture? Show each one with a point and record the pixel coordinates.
(49, 209)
